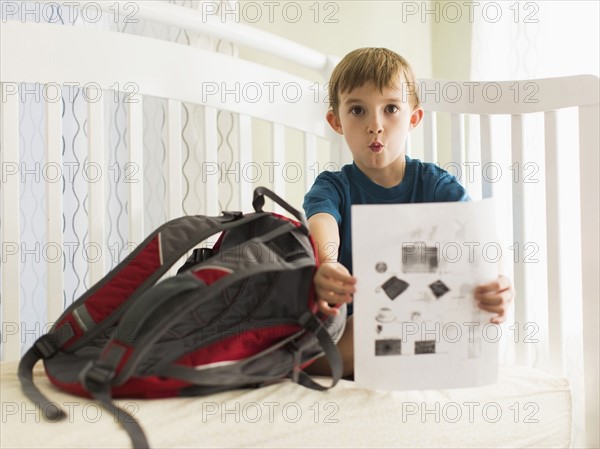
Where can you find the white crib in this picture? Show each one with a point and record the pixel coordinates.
(124, 131)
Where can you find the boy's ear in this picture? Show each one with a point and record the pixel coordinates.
(334, 121)
(415, 117)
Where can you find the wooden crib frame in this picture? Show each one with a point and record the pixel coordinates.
(38, 59)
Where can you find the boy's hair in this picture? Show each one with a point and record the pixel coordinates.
(379, 66)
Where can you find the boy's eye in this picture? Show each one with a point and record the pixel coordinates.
(356, 110)
(391, 108)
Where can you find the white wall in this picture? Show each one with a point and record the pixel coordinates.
(342, 26)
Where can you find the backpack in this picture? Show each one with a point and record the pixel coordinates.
(239, 315)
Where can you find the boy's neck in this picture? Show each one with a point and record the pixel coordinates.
(387, 177)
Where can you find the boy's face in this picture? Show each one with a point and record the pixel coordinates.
(375, 125)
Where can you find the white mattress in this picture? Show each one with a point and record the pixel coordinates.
(526, 408)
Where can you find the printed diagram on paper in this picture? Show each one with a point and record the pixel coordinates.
(416, 323)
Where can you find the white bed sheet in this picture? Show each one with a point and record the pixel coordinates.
(525, 408)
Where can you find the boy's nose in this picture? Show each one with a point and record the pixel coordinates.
(375, 128)
(374, 124)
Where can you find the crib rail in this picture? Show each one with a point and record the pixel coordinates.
(487, 129)
(209, 78)
(209, 21)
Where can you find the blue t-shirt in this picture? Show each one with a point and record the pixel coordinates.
(335, 192)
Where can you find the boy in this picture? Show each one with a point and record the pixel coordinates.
(374, 106)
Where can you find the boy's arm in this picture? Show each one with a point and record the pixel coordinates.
(333, 282)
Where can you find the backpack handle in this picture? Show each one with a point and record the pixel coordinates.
(259, 201)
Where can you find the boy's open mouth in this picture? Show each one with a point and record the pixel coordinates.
(376, 146)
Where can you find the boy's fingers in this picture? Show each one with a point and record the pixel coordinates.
(482, 289)
(490, 300)
(336, 272)
(499, 311)
(497, 319)
(327, 285)
(334, 285)
(490, 308)
(325, 308)
(495, 298)
(500, 288)
(330, 295)
(341, 277)
(504, 283)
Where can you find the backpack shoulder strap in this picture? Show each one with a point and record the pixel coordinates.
(314, 325)
(231, 373)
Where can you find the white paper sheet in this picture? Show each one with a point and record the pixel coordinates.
(416, 323)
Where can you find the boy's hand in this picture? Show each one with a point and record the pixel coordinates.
(495, 297)
(333, 285)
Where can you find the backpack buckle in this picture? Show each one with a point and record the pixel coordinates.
(46, 346)
(310, 322)
(96, 373)
(232, 215)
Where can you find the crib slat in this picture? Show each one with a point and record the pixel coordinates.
(136, 169)
(54, 202)
(277, 161)
(590, 223)
(457, 126)
(310, 159)
(554, 259)
(471, 169)
(517, 145)
(485, 131)
(95, 175)
(430, 136)
(245, 157)
(174, 175)
(11, 279)
(210, 158)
